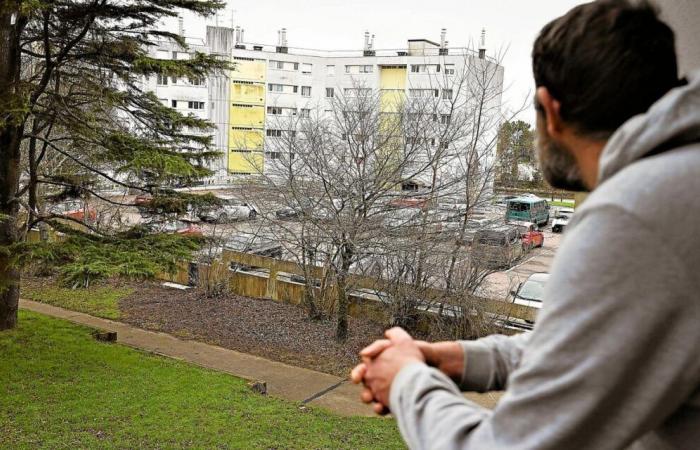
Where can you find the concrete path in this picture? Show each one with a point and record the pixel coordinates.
(284, 381)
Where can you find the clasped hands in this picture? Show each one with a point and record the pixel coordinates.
(384, 358)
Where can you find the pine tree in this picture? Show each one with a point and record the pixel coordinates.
(71, 87)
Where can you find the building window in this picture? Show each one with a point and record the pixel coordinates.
(195, 105)
(330, 92)
(173, 79)
(173, 103)
(306, 69)
(273, 133)
(359, 69)
(162, 80)
(416, 93)
(274, 110)
(274, 155)
(330, 71)
(447, 94)
(449, 69)
(196, 81)
(425, 68)
(445, 119)
(306, 91)
(304, 113)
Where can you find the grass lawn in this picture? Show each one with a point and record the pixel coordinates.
(564, 204)
(61, 389)
(100, 301)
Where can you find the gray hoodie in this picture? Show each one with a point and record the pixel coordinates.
(614, 359)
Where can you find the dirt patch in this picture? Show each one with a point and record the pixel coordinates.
(273, 330)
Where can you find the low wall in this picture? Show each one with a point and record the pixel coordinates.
(269, 278)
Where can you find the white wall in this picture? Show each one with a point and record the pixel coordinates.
(684, 18)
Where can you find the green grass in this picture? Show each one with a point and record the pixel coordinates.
(59, 388)
(565, 204)
(100, 301)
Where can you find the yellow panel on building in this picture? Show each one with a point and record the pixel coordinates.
(245, 139)
(249, 69)
(247, 116)
(391, 101)
(253, 93)
(248, 162)
(392, 78)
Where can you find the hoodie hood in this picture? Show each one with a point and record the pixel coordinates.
(671, 122)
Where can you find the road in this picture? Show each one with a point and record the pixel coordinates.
(499, 284)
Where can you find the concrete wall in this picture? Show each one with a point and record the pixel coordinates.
(684, 18)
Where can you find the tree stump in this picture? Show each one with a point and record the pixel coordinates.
(105, 336)
(259, 387)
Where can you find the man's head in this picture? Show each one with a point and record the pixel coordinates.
(596, 67)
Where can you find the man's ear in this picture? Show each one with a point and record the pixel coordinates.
(551, 108)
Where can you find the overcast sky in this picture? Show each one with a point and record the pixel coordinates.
(340, 25)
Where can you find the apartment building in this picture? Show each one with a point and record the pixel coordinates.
(269, 83)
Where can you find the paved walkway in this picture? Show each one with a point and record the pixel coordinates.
(284, 381)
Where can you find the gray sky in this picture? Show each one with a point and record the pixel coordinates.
(340, 25)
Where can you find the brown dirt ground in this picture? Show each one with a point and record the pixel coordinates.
(269, 329)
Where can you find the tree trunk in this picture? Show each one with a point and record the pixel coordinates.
(341, 331)
(10, 138)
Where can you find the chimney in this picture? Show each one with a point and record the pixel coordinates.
(282, 41)
(482, 44)
(242, 37)
(369, 45)
(180, 26)
(443, 42)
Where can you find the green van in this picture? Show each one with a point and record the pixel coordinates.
(528, 209)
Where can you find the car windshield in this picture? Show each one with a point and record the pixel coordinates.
(532, 290)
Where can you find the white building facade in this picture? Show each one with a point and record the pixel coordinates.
(271, 82)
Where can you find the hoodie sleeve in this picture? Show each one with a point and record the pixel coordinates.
(489, 361)
(612, 355)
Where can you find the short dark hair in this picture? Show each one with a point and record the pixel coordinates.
(606, 61)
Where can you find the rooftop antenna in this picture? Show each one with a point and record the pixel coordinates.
(482, 44)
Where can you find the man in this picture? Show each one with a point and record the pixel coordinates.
(614, 359)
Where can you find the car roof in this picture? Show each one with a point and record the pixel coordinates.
(539, 277)
(524, 199)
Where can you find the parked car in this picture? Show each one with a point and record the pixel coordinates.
(175, 227)
(75, 209)
(531, 236)
(531, 292)
(561, 219)
(295, 210)
(496, 247)
(229, 209)
(528, 209)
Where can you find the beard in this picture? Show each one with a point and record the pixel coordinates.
(558, 164)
